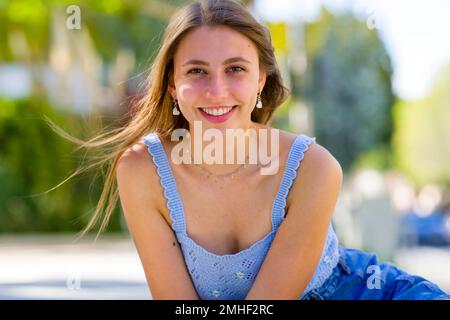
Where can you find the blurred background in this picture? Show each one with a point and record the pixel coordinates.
(369, 79)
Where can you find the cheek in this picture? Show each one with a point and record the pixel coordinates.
(244, 91)
(190, 92)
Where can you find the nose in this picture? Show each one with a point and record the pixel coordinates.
(217, 88)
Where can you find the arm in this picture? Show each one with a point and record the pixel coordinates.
(297, 247)
(156, 243)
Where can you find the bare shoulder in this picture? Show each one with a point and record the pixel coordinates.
(137, 171)
(318, 170)
(315, 157)
(135, 161)
(318, 158)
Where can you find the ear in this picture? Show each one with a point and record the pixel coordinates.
(262, 79)
(171, 86)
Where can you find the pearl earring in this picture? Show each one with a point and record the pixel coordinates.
(175, 110)
(258, 101)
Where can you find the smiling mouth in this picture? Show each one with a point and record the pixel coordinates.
(217, 111)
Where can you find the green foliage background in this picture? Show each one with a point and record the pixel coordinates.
(33, 159)
(347, 84)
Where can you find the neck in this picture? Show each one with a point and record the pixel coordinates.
(221, 154)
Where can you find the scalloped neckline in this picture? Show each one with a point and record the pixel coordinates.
(243, 251)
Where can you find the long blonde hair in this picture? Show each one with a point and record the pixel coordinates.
(154, 111)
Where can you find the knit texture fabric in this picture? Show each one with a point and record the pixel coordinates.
(231, 276)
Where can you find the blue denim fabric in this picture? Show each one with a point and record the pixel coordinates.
(360, 276)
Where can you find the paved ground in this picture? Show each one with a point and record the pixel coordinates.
(53, 268)
(40, 267)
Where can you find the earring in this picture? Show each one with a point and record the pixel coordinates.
(175, 110)
(258, 101)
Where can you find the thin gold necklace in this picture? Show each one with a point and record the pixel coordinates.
(216, 177)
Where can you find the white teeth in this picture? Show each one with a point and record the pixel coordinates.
(217, 112)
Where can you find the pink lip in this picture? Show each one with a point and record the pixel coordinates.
(218, 119)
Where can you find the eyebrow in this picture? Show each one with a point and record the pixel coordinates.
(204, 63)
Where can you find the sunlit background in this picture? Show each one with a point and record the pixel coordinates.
(369, 79)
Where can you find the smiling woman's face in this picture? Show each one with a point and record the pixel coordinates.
(216, 67)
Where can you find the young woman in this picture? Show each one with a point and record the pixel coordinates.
(208, 230)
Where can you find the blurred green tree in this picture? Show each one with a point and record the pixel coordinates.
(421, 139)
(347, 85)
(32, 157)
(32, 160)
(25, 26)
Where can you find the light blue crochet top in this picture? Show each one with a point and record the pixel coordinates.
(231, 276)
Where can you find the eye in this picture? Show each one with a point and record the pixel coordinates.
(236, 69)
(195, 71)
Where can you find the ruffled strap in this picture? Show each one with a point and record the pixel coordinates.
(165, 173)
(296, 153)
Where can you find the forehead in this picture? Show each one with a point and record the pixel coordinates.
(215, 44)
